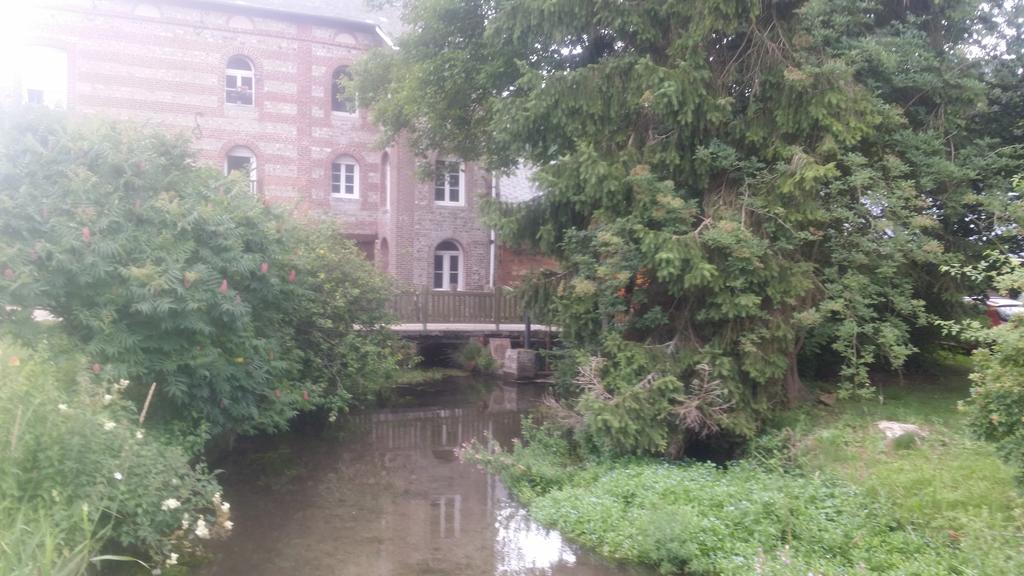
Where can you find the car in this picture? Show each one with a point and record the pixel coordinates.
(998, 309)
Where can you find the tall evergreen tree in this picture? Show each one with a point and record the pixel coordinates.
(736, 184)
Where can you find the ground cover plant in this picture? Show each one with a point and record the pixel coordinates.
(81, 476)
(820, 493)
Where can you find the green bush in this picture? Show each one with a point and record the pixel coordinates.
(475, 357)
(171, 273)
(347, 357)
(79, 469)
(701, 519)
(996, 406)
(537, 465)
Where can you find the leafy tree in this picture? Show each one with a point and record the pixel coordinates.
(173, 274)
(995, 409)
(735, 184)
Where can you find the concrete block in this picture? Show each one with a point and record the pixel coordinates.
(498, 347)
(520, 363)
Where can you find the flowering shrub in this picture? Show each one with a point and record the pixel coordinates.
(165, 271)
(72, 443)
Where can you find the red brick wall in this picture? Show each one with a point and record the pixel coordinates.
(168, 71)
(514, 264)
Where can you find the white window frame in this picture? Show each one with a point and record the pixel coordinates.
(238, 74)
(447, 187)
(243, 152)
(341, 168)
(446, 271)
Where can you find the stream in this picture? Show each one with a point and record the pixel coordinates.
(388, 496)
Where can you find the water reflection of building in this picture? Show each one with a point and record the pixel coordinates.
(393, 500)
(456, 510)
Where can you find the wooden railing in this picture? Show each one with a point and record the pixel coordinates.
(435, 306)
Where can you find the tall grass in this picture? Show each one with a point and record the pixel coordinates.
(46, 541)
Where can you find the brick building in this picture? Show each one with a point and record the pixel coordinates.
(253, 83)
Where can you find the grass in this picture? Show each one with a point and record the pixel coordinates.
(46, 541)
(818, 493)
(949, 484)
(416, 376)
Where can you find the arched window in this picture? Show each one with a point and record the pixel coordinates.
(242, 160)
(447, 266)
(239, 81)
(345, 177)
(385, 181)
(339, 102)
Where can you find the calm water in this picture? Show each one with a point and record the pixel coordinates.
(389, 497)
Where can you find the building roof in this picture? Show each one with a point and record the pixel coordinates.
(518, 186)
(387, 18)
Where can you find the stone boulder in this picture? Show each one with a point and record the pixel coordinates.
(899, 433)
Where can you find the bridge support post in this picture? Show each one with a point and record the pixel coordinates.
(526, 330)
(496, 303)
(425, 306)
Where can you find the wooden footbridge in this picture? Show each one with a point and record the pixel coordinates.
(433, 312)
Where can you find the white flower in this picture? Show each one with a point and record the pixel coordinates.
(121, 384)
(139, 434)
(62, 407)
(118, 476)
(172, 560)
(184, 521)
(170, 504)
(228, 525)
(201, 529)
(224, 506)
(107, 398)
(108, 425)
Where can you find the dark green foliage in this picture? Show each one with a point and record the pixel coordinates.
(733, 183)
(173, 274)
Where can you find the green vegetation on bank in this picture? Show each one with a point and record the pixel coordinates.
(819, 493)
(414, 376)
(179, 295)
(79, 469)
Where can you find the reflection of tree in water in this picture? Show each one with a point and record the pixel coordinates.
(393, 500)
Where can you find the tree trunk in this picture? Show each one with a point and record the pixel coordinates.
(796, 392)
